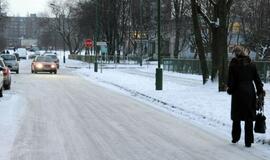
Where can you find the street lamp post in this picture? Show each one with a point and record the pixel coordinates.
(159, 73)
(64, 57)
(96, 37)
(141, 21)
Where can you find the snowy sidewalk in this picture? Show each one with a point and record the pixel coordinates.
(11, 109)
(183, 95)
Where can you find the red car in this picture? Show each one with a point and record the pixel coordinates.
(54, 57)
(6, 74)
(43, 64)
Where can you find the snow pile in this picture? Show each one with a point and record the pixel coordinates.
(183, 95)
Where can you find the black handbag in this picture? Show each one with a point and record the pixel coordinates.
(260, 125)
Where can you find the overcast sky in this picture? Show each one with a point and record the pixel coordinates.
(25, 7)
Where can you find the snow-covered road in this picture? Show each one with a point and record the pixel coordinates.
(68, 117)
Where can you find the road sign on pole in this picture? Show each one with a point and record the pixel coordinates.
(101, 43)
(88, 43)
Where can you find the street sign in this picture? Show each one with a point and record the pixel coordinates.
(104, 49)
(101, 43)
(88, 43)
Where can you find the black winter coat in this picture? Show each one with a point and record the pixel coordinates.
(242, 76)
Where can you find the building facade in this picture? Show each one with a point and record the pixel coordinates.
(21, 28)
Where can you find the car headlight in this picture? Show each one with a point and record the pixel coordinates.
(53, 66)
(39, 65)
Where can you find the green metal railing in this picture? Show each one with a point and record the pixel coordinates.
(192, 66)
(130, 59)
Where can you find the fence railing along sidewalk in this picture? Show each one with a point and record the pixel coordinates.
(130, 59)
(192, 66)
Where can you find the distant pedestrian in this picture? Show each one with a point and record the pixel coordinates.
(242, 74)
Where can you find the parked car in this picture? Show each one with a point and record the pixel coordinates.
(43, 64)
(6, 74)
(1, 81)
(22, 53)
(53, 56)
(11, 62)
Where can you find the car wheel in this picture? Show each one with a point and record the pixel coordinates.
(17, 72)
(1, 92)
(55, 72)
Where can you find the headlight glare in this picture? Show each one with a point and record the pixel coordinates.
(39, 65)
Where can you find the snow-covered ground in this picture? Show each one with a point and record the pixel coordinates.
(183, 95)
(11, 110)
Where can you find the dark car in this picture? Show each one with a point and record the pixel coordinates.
(11, 62)
(43, 64)
(6, 74)
(1, 81)
(54, 57)
(32, 56)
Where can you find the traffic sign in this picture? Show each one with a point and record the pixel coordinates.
(101, 43)
(88, 43)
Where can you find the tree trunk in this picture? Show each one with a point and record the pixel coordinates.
(178, 20)
(223, 44)
(214, 46)
(199, 42)
(215, 53)
(176, 42)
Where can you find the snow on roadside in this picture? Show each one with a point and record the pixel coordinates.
(183, 95)
(11, 110)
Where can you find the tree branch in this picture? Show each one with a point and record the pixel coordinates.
(213, 2)
(205, 17)
(229, 4)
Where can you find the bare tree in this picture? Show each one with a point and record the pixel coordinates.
(112, 24)
(218, 23)
(180, 12)
(66, 24)
(199, 41)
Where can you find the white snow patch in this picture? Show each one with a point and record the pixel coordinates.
(11, 110)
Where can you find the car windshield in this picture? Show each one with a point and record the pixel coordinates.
(52, 56)
(8, 57)
(44, 59)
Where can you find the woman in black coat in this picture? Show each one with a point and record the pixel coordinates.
(242, 76)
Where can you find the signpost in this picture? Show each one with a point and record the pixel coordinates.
(88, 43)
(104, 51)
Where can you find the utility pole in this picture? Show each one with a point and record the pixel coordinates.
(159, 74)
